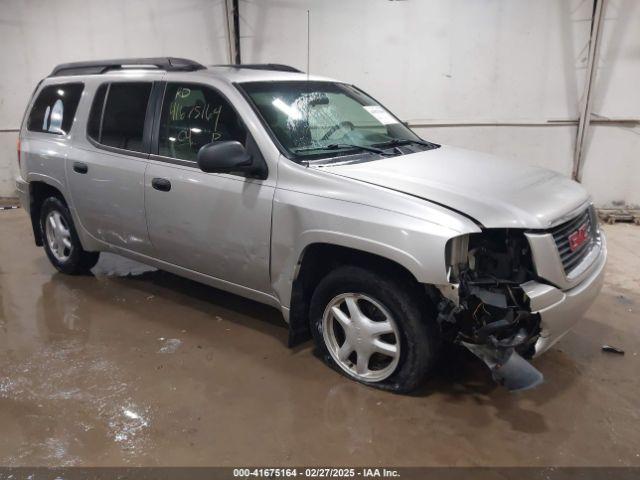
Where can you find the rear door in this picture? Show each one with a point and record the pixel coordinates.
(215, 224)
(107, 177)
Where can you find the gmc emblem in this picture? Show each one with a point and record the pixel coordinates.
(577, 238)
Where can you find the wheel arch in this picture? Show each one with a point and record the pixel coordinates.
(39, 191)
(316, 260)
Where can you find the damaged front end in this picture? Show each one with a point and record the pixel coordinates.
(485, 309)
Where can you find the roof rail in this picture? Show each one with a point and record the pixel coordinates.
(171, 64)
(278, 67)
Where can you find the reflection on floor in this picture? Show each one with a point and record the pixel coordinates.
(139, 367)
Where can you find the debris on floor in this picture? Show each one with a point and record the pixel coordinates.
(610, 349)
(170, 345)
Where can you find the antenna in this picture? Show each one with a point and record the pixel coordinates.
(308, 42)
(308, 107)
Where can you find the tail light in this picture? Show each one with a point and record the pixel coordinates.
(18, 148)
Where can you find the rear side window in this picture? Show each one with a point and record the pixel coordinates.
(54, 109)
(118, 115)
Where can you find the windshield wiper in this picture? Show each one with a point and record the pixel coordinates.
(397, 142)
(338, 146)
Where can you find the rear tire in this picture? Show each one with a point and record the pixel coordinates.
(60, 239)
(373, 329)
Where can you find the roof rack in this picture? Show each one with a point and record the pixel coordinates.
(278, 67)
(171, 64)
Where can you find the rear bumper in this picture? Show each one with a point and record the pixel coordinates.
(22, 187)
(560, 310)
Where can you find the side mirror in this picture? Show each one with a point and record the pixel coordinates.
(225, 157)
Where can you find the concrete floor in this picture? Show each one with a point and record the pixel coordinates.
(139, 367)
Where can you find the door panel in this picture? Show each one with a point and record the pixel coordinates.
(109, 197)
(219, 225)
(106, 178)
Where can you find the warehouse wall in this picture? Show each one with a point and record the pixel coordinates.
(612, 169)
(495, 76)
(501, 76)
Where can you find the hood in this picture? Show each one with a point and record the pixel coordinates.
(494, 192)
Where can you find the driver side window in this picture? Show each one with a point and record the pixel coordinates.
(193, 116)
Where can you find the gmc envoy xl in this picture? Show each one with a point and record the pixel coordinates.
(306, 194)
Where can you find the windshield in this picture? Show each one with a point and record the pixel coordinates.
(326, 119)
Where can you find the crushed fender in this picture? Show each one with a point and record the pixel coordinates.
(491, 316)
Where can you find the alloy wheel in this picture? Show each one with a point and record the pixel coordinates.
(58, 236)
(361, 336)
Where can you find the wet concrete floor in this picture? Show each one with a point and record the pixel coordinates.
(134, 366)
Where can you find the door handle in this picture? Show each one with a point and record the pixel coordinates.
(162, 184)
(80, 167)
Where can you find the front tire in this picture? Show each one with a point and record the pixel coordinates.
(374, 329)
(60, 239)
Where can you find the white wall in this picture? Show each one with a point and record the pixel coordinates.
(612, 167)
(430, 61)
(476, 61)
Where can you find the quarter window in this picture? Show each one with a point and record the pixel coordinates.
(193, 116)
(119, 120)
(54, 109)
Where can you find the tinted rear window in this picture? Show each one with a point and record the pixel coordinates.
(121, 124)
(54, 109)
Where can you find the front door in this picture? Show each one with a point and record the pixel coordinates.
(215, 224)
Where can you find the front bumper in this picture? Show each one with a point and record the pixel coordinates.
(560, 309)
(22, 187)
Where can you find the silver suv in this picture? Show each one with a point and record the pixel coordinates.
(306, 194)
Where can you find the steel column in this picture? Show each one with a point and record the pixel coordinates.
(585, 104)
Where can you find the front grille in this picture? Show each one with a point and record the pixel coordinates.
(571, 259)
